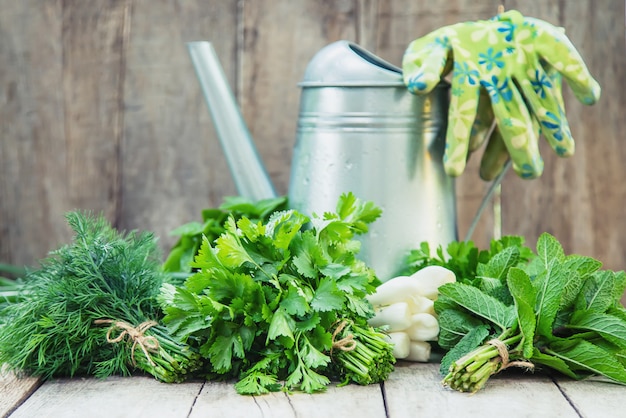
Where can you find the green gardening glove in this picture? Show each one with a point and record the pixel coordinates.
(509, 69)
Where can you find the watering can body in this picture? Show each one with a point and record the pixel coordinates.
(361, 131)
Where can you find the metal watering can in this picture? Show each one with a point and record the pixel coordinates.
(359, 131)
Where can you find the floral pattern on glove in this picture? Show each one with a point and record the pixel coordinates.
(520, 62)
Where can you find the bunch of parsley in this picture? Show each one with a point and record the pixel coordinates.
(550, 310)
(182, 253)
(284, 300)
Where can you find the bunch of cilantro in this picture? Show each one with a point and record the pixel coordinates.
(512, 307)
(284, 301)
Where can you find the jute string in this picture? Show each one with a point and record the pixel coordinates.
(504, 356)
(136, 334)
(347, 343)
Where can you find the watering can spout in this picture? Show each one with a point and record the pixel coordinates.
(246, 167)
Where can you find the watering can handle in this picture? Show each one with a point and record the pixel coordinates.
(249, 174)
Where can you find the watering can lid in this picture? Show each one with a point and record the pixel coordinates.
(346, 64)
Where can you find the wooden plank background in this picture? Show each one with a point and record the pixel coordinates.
(100, 109)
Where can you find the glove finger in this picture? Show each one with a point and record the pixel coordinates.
(555, 48)
(516, 127)
(461, 116)
(424, 63)
(543, 94)
(494, 158)
(483, 122)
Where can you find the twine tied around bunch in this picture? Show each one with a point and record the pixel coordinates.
(346, 343)
(136, 334)
(504, 356)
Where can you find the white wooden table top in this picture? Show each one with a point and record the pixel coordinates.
(413, 390)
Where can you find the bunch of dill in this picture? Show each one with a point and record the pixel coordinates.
(91, 309)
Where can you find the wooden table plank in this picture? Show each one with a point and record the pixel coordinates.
(416, 390)
(14, 390)
(110, 398)
(143, 396)
(594, 398)
(347, 401)
(221, 400)
(413, 389)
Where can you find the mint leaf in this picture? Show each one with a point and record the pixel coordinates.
(597, 292)
(480, 304)
(442, 303)
(608, 326)
(470, 341)
(524, 297)
(549, 250)
(491, 277)
(498, 266)
(549, 283)
(619, 279)
(570, 293)
(454, 325)
(577, 268)
(553, 362)
(583, 355)
(583, 265)
(495, 288)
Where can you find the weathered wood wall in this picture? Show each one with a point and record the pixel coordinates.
(100, 109)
